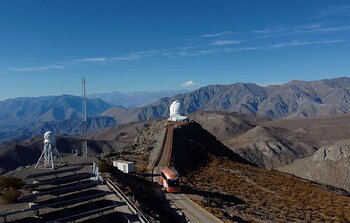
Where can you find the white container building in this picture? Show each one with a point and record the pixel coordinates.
(124, 166)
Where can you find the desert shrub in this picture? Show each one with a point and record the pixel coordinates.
(11, 182)
(104, 166)
(10, 196)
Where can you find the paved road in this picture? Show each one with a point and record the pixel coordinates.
(191, 210)
(166, 156)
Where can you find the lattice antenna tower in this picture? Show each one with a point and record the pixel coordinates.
(84, 117)
(50, 156)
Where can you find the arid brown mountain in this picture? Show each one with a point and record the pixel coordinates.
(278, 142)
(21, 112)
(329, 165)
(22, 118)
(134, 99)
(316, 131)
(270, 146)
(69, 127)
(293, 99)
(226, 125)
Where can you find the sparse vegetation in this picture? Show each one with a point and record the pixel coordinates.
(9, 189)
(11, 182)
(104, 166)
(267, 194)
(10, 196)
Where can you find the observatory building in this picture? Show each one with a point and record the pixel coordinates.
(50, 157)
(176, 112)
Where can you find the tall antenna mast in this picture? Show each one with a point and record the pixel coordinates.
(84, 117)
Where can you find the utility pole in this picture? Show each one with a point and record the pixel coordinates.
(84, 117)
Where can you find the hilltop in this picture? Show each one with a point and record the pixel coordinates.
(237, 188)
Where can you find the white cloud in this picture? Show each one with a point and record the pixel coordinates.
(298, 30)
(94, 59)
(189, 83)
(38, 68)
(224, 42)
(343, 10)
(138, 55)
(262, 31)
(302, 43)
(333, 29)
(210, 35)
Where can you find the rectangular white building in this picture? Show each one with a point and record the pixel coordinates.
(124, 166)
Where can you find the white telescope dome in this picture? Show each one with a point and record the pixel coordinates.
(49, 137)
(176, 108)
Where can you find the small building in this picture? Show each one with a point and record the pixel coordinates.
(124, 166)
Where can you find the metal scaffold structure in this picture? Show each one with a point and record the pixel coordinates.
(84, 117)
(50, 156)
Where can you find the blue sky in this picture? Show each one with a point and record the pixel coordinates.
(47, 46)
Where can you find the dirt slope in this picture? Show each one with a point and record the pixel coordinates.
(269, 146)
(329, 165)
(317, 131)
(225, 125)
(208, 169)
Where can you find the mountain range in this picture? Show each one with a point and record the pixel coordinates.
(134, 99)
(24, 116)
(19, 112)
(291, 100)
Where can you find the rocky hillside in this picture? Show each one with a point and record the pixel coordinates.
(293, 99)
(226, 125)
(237, 191)
(193, 145)
(269, 146)
(329, 165)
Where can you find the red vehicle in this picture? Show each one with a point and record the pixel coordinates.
(169, 180)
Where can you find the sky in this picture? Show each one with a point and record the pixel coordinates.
(127, 45)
